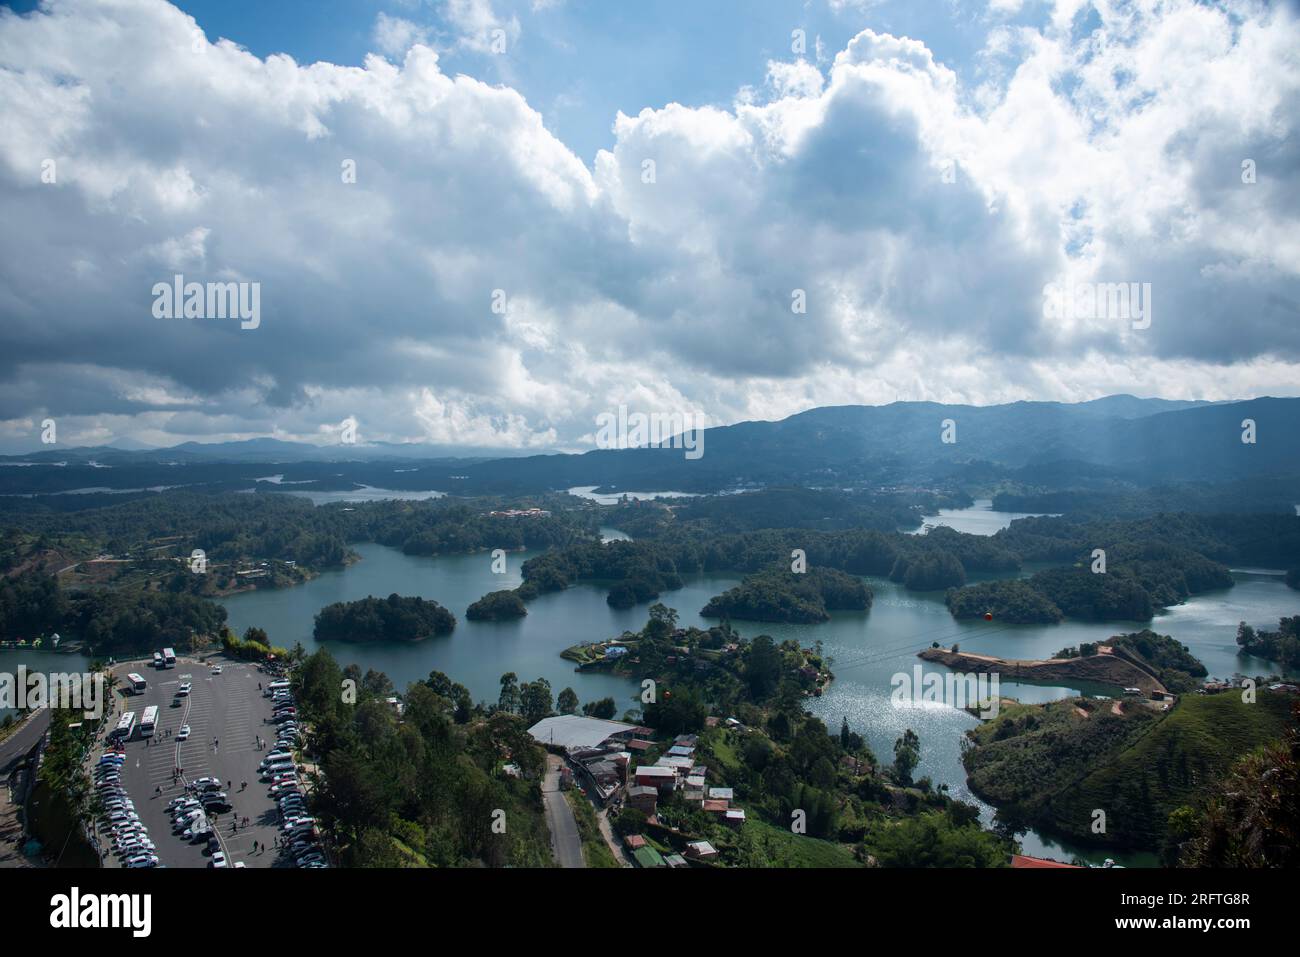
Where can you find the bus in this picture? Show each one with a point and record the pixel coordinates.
(125, 725)
(169, 658)
(149, 721)
(136, 682)
(158, 660)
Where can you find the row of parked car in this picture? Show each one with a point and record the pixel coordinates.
(129, 836)
(299, 836)
(190, 821)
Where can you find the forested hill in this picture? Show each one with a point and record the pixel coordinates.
(1146, 441)
(902, 442)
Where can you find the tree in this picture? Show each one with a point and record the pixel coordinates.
(676, 713)
(509, 699)
(763, 667)
(907, 753)
(662, 622)
(567, 702)
(535, 700)
(604, 708)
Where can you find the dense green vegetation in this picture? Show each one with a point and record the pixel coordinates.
(1015, 602)
(497, 606)
(1282, 646)
(1139, 579)
(1249, 818)
(1115, 499)
(642, 570)
(808, 508)
(782, 595)
(425, 791)
(160, 532)
(395, 618)
(30, 606)
(1167, 658)
(1267, 540)
(1049, 766)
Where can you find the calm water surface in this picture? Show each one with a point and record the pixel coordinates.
(867, 648)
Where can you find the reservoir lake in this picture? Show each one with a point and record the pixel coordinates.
(866, 648)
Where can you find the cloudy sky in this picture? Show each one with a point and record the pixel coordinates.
(739, 208)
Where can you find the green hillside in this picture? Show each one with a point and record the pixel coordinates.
(1055, 767)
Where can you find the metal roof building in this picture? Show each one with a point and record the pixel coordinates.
(573, 731)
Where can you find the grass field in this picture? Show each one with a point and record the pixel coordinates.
(759, 844)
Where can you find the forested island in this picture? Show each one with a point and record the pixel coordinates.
(497, 606)
(1149, 564)
(782, 595)
(395, 618)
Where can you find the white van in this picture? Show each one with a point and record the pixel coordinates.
(275, 686)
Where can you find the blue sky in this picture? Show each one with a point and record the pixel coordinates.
(579, 62)
(625, 206)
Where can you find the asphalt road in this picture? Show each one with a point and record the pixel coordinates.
(25, 738)
(228, 708)
(565, 842)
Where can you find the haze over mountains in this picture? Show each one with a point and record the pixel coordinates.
(1140, 441)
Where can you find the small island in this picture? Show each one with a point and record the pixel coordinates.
(501, 605)
(1011, 602)
(783, 596)
(395, 618)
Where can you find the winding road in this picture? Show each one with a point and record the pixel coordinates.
(25, 738)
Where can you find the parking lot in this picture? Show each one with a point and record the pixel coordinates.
(226, 713)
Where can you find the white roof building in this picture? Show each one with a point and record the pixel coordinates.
(574, 731)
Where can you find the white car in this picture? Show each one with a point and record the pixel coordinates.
(216, 670)
(184, 689)
(218, 859)
(184, 733)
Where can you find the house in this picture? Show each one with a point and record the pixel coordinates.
(701, 851)
(722, 794)
(644, 799)
(676, 860)
(656, 776)
(633, 841)
(715, 807)
(639, 746)
(679, 763)
(687, 740)
(680, 751)
(606, 776)
(648, 857)
(734, 816)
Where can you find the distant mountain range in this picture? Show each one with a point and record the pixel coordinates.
(1141, 441)
(264, 450)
